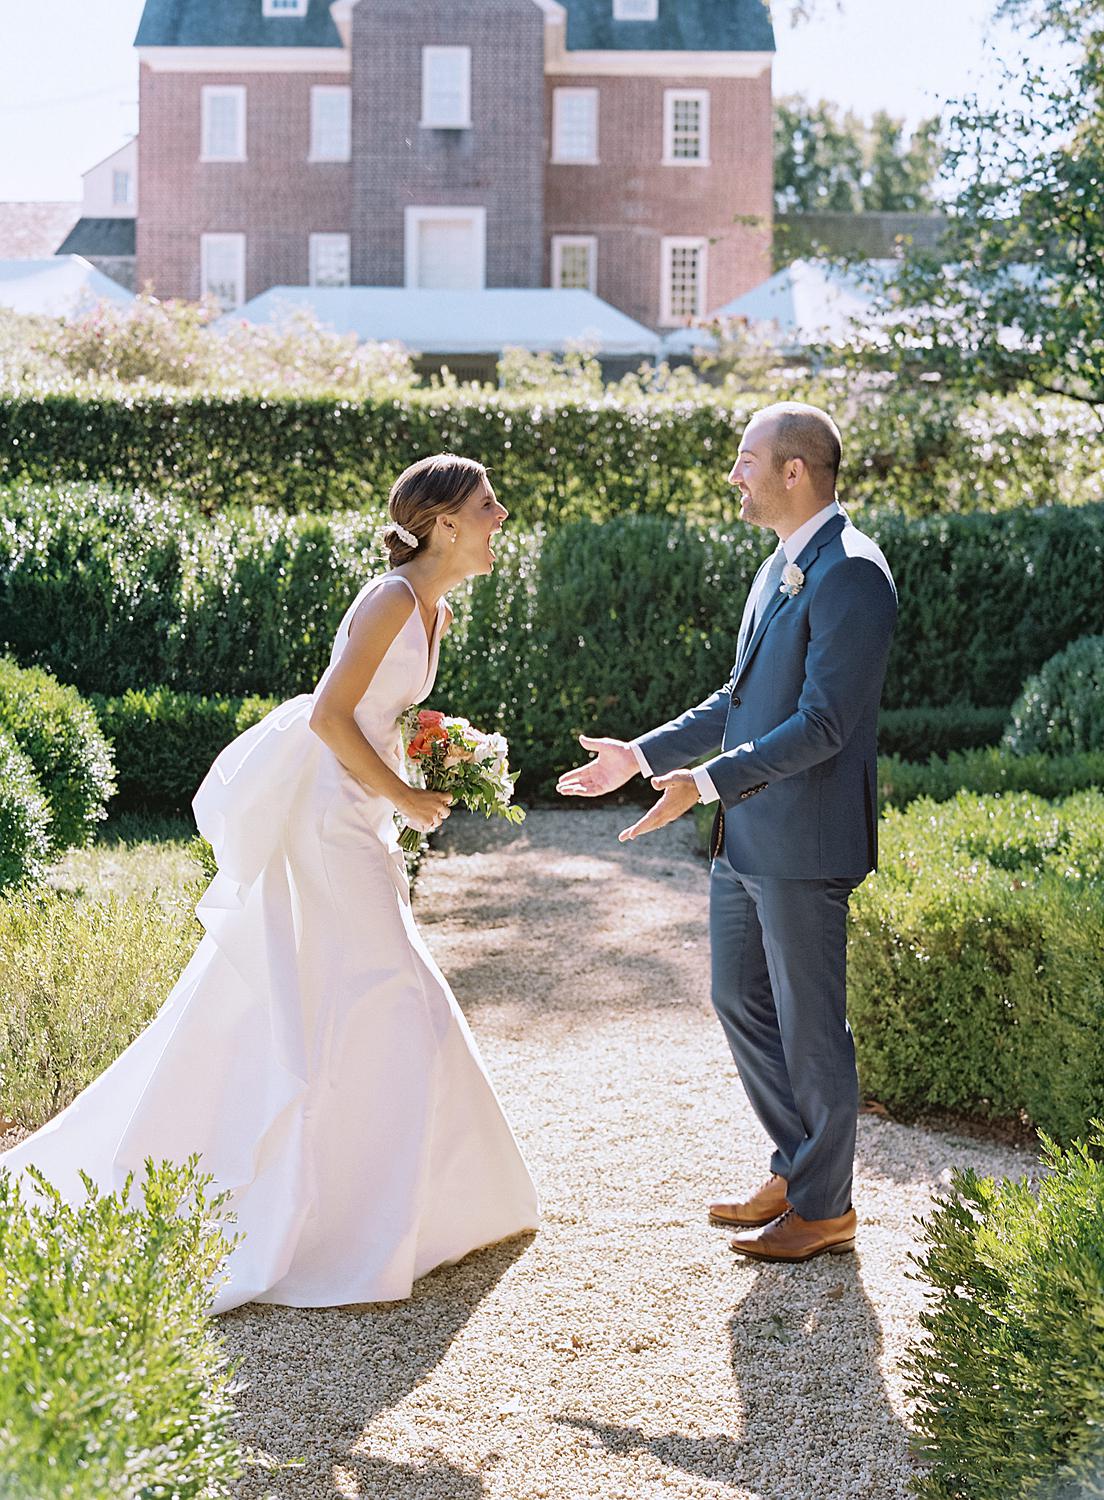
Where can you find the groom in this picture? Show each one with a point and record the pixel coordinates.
(791, 762)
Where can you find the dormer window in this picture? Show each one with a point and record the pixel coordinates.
(284, 7)
(635, 10)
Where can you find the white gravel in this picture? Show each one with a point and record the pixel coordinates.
(623, 1352)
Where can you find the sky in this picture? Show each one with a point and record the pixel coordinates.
(69, 75)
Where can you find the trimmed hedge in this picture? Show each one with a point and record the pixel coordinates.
(1009, 1383)
(113, 594)
(567, 451)
(986, 771)
(918, 733)
(24, 818)
(113, 1380)
(57, 730)
(164, 742)
(1061, 708)
(976, 960)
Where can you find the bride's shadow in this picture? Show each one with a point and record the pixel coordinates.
(314, 1378)
(809, 1406)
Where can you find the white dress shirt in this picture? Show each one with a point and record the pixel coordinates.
(793, 547)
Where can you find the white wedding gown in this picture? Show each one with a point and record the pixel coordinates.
(312, 1051)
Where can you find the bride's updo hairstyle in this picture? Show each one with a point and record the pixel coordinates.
(434, 486)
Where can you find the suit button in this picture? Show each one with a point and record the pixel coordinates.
(735, 701)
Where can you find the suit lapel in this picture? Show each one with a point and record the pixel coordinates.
(805, 560)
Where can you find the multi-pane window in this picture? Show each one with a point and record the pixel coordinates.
(222, 269)
(686, 127)
(329, 260)
(331, 122)
(636, 10)
(122, 189)
(446, 88)
(574, 262)
(683, 289)
(575, 125)
(284, 7)
(223, 112)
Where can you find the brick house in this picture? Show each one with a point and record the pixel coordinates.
(620, 146)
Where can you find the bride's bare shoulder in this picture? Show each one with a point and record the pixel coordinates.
(388, 606)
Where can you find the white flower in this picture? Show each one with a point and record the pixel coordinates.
(793, 581)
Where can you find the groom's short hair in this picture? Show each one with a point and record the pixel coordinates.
(805, 432)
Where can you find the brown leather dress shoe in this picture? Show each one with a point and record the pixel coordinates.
(765, 1204)
(792, 1238)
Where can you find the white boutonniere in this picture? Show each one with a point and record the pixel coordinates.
(793, 581)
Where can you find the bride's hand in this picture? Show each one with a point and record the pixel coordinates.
(426, 811)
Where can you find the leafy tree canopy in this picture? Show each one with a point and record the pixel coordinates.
(1015, 296)
(827, 159)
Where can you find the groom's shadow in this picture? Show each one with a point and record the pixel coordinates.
(314, 1378)
(810, 1413)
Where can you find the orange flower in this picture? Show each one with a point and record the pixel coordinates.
(417, 747)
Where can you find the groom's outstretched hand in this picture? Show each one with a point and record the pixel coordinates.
(615, 764)
(680, 792)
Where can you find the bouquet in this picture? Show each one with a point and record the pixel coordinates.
(451, 756)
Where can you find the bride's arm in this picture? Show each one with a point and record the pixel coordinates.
(373, 628)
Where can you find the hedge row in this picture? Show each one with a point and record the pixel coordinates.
(976, 960)
(986, 771)
(114, 593)
(568, 451)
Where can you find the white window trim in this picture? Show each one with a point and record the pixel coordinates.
(206, 242)
(414, 216)
(619, 11)
(428, 54)
(668, 244)
(331, 88)
(558, 96)
(207, 93)
(560, 242)
(669, 98)
(315, 245)
(296, 11)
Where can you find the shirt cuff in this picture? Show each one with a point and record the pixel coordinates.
(641, 759)
(704, 783)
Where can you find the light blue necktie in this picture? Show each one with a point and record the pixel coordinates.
(767, 590)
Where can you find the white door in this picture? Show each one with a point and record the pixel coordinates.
(445, 250)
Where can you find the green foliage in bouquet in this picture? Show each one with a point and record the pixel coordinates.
(1061, 708)
(57, 730)
(164, 742)
(449, 755)
(24, 818)
(112, 1378)
(79, 981)
(1009, 1382)
(976, 960)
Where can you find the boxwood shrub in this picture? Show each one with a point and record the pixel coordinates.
(57, 730)
(1009, 1382)
(917, 734)
(24, 818)
(113, 1381)
(976, 960)
(1061, 708)
(164, 742)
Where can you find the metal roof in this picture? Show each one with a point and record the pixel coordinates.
(59, 287)
(452, 322)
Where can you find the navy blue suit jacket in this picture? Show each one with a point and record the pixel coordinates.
(796, 724)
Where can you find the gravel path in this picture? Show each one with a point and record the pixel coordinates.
(623, 1352)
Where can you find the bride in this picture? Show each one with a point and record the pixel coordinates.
(312, 1051)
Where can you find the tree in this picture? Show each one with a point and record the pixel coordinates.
(1016, 295)
(832, 161)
